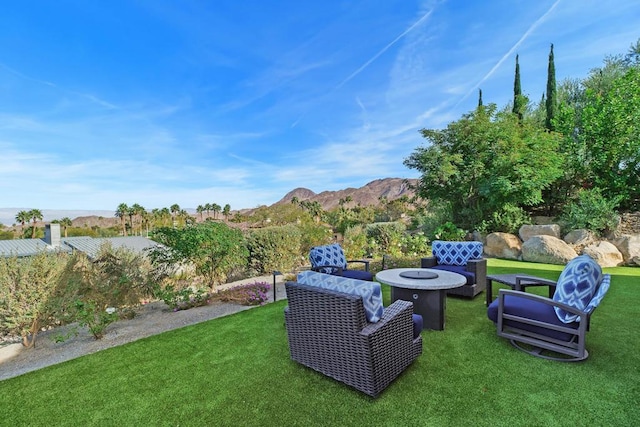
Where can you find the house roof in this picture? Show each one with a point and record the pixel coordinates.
(85, 244)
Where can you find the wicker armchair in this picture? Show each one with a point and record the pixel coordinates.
(328, 332)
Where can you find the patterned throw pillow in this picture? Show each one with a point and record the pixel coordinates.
(328, 255)
(456, 253)
(576, 286)
(370, 292)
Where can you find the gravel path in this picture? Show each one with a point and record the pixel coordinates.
(151, 319)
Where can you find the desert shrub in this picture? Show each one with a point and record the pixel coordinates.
(249, 294)
(591, 210)
(385, 237)
(508, 219)
(313, 234)
(26, 287)
(448, 231)
(354, 243)
(214, 248)
(274, 248)
(93, 292)
(414, 244)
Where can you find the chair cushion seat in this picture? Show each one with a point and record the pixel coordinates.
(534, 310)
(471, 278)
(356, 274)
(418, 324)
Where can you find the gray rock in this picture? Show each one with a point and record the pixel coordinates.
(629, 247)
(503, 245)
(605, 254)
(548, 250)
(528, 231)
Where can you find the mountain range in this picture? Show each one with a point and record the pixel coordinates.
(367, 195)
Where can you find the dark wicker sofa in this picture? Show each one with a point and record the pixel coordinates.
(328, 332)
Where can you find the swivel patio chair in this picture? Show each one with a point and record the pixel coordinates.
(330, 259)
(553, 328)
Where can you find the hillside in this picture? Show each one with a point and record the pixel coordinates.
(368, 195)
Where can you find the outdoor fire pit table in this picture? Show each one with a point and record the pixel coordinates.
(425, 288)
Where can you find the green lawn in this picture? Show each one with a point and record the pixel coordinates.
(236, 371)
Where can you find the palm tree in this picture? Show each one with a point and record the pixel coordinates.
(138, 211)
(121, 212)
(226, 211)
(200, 209)
(65, 222)
(35, 215)
(216, 208)
(23, 217)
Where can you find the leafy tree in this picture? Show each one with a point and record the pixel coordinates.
(551, 100)
(213, 248)
(483, 163)
(611, 136)
(519, 101)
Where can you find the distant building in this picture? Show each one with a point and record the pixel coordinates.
(52, 241)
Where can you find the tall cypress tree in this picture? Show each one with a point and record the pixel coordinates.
(517, 92)
(551, 92)
(479, 97)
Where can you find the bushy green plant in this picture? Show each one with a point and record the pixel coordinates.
(96, 319)
(182, 298)
(448, 231)
(415, 244)
(591, 210)
(508, 219)
(213, 248)
(26, 287)
(386, 237)
(354, 243)
(274, 248)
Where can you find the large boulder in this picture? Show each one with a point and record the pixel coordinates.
(605, 254)
(547, 250)
(528, 231)
(629, 247)
(579, 239)
(503, 245)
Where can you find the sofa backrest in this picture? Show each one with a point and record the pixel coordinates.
(370, 292)
(456, 253)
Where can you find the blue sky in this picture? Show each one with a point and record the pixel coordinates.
(159, 102)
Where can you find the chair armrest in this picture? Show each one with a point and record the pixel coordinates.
(363, 261)
(584, 316)
(479, 269)
(391, 315)
(428, 262)
(319, 268)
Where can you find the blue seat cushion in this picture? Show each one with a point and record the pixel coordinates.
(418, 324)
(356, 274)
(460, 269)
(534, 310)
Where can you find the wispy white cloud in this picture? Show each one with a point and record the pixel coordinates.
(510, 52)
